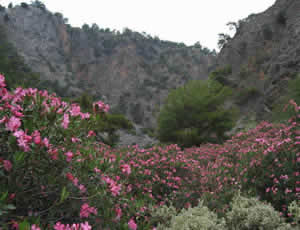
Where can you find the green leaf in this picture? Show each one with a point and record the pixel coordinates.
(19, 156)
(24, 225)
(64, 194)
(4, 196)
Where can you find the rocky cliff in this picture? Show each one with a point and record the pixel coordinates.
(262, 57)
(133, 72)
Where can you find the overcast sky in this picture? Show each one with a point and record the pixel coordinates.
(186, 21)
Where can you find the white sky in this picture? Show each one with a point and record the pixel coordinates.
(185, 21)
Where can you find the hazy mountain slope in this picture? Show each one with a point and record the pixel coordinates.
(263, 55)
(133, 72)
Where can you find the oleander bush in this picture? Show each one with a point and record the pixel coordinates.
(54, 174)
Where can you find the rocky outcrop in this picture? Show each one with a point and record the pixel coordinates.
(132, 72)
(263, 55)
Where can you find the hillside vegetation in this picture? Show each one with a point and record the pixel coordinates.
(54, 174)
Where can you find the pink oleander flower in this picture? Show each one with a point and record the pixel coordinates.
(96, 170)
(69, 156)
(85, 115)
(85, 226)
(75, 139)
(36, 137)
(66, 121)
(23, 140)
(115, 189)
(13, 124)
(59, 111)
(34, 227)
(75, 110)
(59, 226)
(126, 169)
(100, 106)
(46, 142)
(2, 81)
(12, 196)
(86, 210)
(7, 165)
(19, 133)
(287, 191)
(132, 225)
(118, 211)
(15, 224)
(18, 114)
(70, 176)
(91, 133)
(284, 177)
(53, 153)
(82, 188)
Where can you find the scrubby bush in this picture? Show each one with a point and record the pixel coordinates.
(24, 5)
(162, 216)
(199, 217)
(39, 5)
(294, 210)
(250, 213)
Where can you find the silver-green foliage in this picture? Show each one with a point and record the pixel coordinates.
(294, 209)
(163, 216)
(199, 217)
(250, 213)
(244, 214)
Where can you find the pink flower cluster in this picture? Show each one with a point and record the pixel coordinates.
(126, 168)
(6, 164)
(132, 225)
(113, 186)
(74, 180)
(80, 226)
(86, 210)
(100, 106)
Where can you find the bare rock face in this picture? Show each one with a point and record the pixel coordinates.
(264, 55)
(131, 71)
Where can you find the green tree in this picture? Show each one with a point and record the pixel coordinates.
(223, 40)
(195, 114)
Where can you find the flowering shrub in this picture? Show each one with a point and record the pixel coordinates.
(55, 175)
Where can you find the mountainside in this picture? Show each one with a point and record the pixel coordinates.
(262, 57)
(132, 72)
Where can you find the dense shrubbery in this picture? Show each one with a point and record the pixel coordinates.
(54, 173)
(195, 114)
(243, 214)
